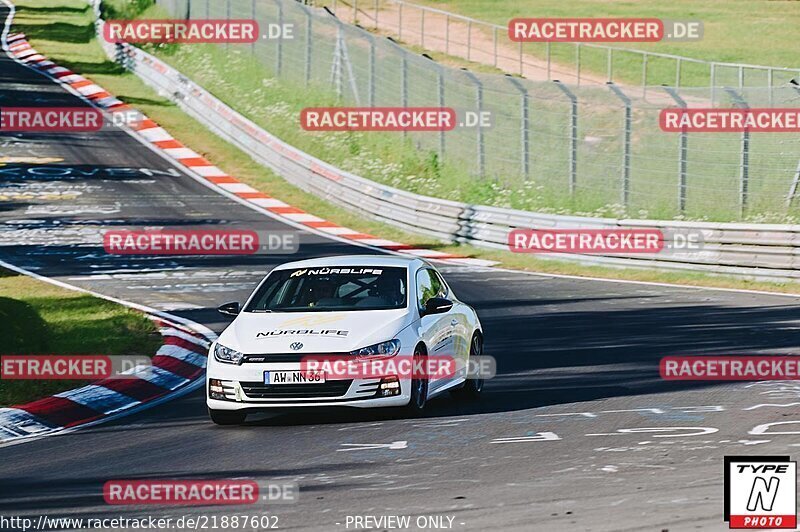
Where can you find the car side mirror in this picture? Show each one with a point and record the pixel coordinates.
(230, 309)
(437, 305)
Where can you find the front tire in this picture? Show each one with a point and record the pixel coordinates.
(472, 388)
(419, 388)
(227, 417)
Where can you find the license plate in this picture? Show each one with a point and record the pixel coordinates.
(294, 377)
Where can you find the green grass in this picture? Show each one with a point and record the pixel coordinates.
(758, 32)
(129, 88)
(38, 318)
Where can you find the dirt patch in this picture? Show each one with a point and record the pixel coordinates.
(454, 36)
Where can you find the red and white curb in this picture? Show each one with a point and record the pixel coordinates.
(158, 137)
(179, 362)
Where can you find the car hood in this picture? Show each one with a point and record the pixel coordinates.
(318, 332)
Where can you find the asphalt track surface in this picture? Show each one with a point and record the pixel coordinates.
(577, 361)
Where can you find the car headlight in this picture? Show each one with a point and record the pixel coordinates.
(383, 349)
(227, 355)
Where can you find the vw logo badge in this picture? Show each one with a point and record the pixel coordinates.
(296, 346)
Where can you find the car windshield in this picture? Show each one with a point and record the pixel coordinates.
(331, 288)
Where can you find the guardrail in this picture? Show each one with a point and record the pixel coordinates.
(751, 250)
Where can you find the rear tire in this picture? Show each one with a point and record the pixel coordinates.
(419, 388)
(227, 417)
(472, 388)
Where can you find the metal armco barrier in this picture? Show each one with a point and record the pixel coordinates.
(751, 250)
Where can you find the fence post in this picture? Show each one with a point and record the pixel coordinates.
(208, 9)
(355, 12)
(447, 34)
(440, 97)
(678, 73)
(524, 126)
(404, 80)
(440, 88)
(578, 63)
(253, 16)
(549, 62)
(770, 81)
(626, 149)
(713, 83)
(521, 64)
(644, 75)
(573, 144)
(336, 67)
(404, 83)
(400, 22)
(793, 187)
(309, 32)
(609, 64)
(371, 80)
(796, 178)
(422, 29)
(744, 162)
(227, 17)
(375, 4)
(682, 154)
(494, 37)
(469, 38)
(279, 58)
(481, 147)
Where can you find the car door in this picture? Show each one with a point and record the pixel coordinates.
(460, 323)
(437, 330)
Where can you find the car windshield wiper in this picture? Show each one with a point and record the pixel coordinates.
(261, 310)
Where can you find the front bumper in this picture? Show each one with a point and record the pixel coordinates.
(243, 388)
(382, 402)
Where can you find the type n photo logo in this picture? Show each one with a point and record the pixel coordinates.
(760, 492)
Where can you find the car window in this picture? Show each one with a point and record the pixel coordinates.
(445, 290)
(429, 285)
(327, 289)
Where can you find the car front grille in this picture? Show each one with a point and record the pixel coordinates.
(268, 358)
(259, 390)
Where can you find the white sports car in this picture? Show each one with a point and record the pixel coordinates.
(385, 313)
